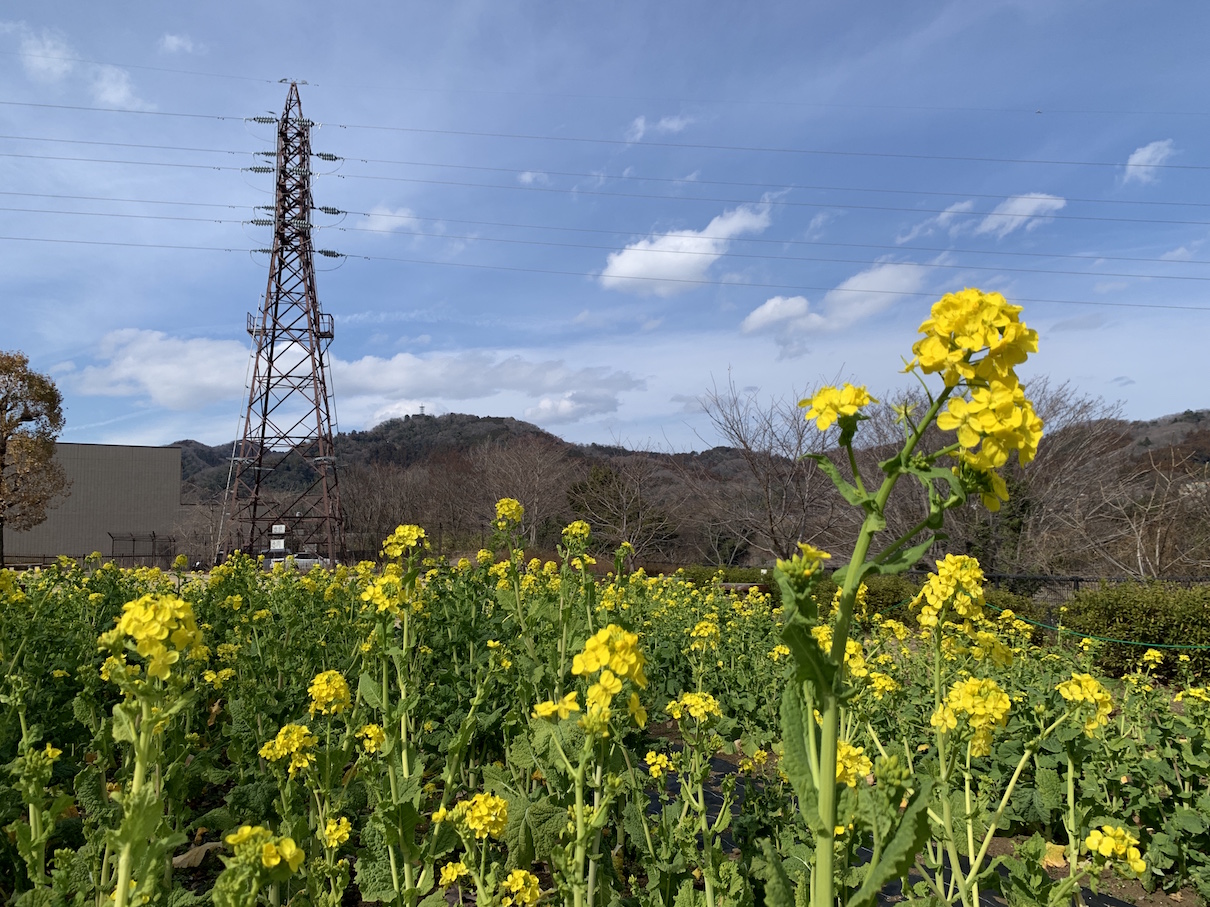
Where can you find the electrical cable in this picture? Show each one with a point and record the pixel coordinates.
(466, 133)
(631, 233)
(580, 274)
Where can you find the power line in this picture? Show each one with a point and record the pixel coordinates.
(614, 249)
(640, 144)
(778, 202)
(600, 231)
(685, 181)
(820, 105)
(581, 274)
(680, 198)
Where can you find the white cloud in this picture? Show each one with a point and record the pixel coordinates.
(679, 255)
(177, 44)
(790, 319)
(533, 178)
(470, 375)
(175, 373)
(112, 85)
(44, 56)
(1182, 253)
(670, 125)
(1142, 163)
(1021, 211)
(946, 220)
(383, 219)
(573, 406)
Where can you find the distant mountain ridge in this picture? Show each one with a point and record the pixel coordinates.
(411, 439)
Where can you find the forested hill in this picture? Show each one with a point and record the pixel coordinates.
(397, 442)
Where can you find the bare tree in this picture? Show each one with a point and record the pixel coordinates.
(779, 497)
(535, 471)
(627, 499)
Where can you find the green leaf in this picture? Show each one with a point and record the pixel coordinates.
(799, 739)
(904, 558)
(812, 662)
(847, 489)
(900, 852)
(369, 691)
(778, 890)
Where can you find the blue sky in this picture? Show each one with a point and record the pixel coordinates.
(586, 215)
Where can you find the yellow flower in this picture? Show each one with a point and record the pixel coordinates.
(658, 764)
(985, 706)
(852, 763)
(336, 832)
(562, 708)
(372, 737)
(831, 403)
(159, 628)
(52, 752)
(1112, 842)
(292, 741)
(509, 511)
(699, 706)
(404, 538)
(1152, 657)
(602, 692)
(329, 693)
(636, 710)
(521, 888)
(291, 853)
(1085, 690)
(245, 833)
(451, 873)
(486, 814)
(577, 532)
(962, 325)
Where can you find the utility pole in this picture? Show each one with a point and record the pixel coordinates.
(284, 467)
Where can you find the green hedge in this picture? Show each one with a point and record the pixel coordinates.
(1164, 614)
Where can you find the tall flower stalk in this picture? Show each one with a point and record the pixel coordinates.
(973, 341)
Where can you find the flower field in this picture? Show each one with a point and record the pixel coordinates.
(504, 730)
(398, 734)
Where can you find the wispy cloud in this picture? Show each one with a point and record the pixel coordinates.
(1142, 163)
(1021, 212)
(791, 319)
(178, 44)
(679, 255)
(533, 178)
(45, 55)
(112, 85)
(947, 220)
(384, 219)
(670, 125)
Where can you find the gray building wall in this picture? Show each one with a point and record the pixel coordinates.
(115, 489)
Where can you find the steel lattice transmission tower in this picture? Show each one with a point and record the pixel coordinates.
(284, 470)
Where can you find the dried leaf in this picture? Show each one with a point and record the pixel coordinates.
(194, 855)
(1055, 857)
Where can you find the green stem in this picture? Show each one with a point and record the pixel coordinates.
(141, 754)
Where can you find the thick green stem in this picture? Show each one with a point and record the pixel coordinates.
(141, 754)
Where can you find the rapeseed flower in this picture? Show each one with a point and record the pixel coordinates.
(372, 737)
(329, 693)
(831, 403)
(1113, 842)
(1086, 691)
(336, 832)
(520, 887)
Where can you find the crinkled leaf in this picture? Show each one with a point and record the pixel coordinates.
(779, 892)
(900, 851)
(798, 737)
(812, 662)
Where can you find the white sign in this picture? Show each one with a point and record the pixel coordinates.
(277, 544)
(279, 529)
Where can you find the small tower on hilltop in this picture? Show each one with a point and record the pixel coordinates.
(282, 495)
